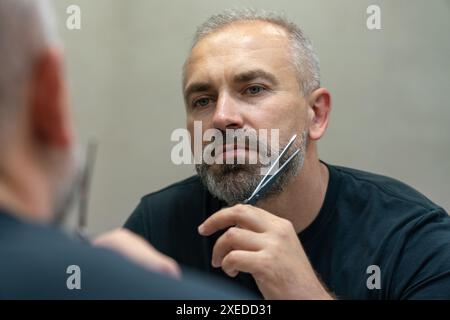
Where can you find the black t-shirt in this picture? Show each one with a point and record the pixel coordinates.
(35, 260)
(366, 220)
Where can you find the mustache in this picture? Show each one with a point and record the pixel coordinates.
(238, 139)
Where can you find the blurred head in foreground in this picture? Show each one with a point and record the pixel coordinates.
(38, 162)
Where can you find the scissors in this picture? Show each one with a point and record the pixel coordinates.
(85, 183)
(270, 177)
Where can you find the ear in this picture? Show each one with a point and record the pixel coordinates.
(50, 118)
(319, 113)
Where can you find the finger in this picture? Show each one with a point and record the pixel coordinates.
(235, 239)
(245, 216)
(166, 266)
(240, 261)
(137, 250)
(159, 262)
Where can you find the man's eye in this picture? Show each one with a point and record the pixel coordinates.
(202, 102)
(254, 90)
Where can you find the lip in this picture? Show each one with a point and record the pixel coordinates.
(231, 149)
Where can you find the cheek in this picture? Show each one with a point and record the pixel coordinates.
(205, 117)
(190, 129)
(288, 116)
(291, 118)
(298, 115)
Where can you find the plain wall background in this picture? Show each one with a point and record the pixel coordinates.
(390, 90)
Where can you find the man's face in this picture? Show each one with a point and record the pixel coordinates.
(243, 77)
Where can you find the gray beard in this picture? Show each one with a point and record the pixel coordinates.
(234, 183)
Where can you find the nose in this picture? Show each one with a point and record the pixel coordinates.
(227, 114)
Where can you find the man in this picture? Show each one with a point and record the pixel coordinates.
(37, 170)
(321, 231)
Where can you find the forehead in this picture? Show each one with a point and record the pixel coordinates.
(240, 45)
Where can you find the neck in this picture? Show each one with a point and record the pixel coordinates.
(302, 199)
(23, 192)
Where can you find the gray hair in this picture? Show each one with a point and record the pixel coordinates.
(304, 57)
(27, 27)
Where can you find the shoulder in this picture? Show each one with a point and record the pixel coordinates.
(40, 262)
(385, 206)
(178, 200)
(397, 228)
(183, 190)
(41, 247)
(37, 261)
(180, 206)
(382, 196)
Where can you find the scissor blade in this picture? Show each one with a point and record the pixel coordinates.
(253, 199)
(85, 185)
(269, 172)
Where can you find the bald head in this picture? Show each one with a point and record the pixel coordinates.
(38, 163)
(26, 30)
(301, 52)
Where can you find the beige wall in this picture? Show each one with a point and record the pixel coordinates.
(391, 90)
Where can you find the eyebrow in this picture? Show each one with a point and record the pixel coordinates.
(251, 75)
(196, 87)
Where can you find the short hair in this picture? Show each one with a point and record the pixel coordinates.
(304, 57)
(27, 27)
